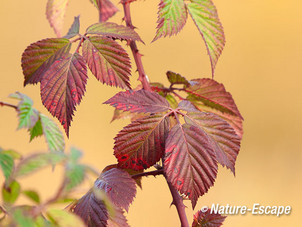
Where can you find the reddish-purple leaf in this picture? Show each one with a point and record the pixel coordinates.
(40, 55)
(207, 219)
(175, 78)
(119, 187)
(140, 101)
(187, 106)
(190, 162)
(106, 9)
(63, 86)
(55, 12)
(119, 114)
(172, 16)
(117, 218)
(109, 29)
(224, 140)
(210, 96)
(205, 17)
(92, 210)
(108, 61)
(142, 143)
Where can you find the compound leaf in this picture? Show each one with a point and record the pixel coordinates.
(40, 55)
(207, 219)
(108, 61)
(140, 101)
(205, 17)
(225, 141)
(172, 16)
(190, 162)
(63, 86)
(210, 96)
(113, 30)
(142, 143)
(119, 187)
(74, 29)
(55, 13)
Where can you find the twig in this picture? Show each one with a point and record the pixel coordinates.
(8, 104)
(151, 173)
(137, 56)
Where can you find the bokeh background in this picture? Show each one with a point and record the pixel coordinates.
(261, 66)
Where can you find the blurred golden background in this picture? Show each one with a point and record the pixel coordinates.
(261, 66)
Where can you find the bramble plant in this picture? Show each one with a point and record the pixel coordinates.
(183, 130)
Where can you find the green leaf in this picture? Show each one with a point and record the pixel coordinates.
(22, 219)
(64, 218)
(37, 57)
(53, 135)
(108, 61)
(112, 30)
(172, 101)
(7, 164)
(11, 192)
(205, 17)
(75, 154)
(36, 131)
(28, 116)
(32, 195)
(55, 13)
(74, 29)
(37, 161)
(175, 78)
(12, 153)
(75, 175)
(172, 16)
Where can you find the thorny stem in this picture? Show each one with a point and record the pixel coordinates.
(8, 104)
(177, 200)
(137, 56)
(151, 173)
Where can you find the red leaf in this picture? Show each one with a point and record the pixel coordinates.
(92, 210)
(55, 12)
(190, 163)
(172, 16)
(224, 140)
(119, 187)
(106, 8)
(210, 96)
(207, 219)
(117, 219)
(141, 101)
(142, 143)
(108, 61)
(63, 86)
(109, 29)
(40, 55)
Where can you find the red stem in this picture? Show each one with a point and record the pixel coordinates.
(137, 56)
(151, 173)
(177, 200)
(9, 105)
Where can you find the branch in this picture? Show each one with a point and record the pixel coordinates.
(9, 105)
(137, 56)
(151, 173)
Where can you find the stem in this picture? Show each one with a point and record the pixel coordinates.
(151, 173)
(137, 56)
(9, 105)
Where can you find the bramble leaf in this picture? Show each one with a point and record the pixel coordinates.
(119, 187)
(92, 210)
(36, 131)
(74, 29)
(175, 78)
(117, 218)
(75, 174)
(225, 142)
(6, 164)
(106, 8)
(108, 61)
(140, 101)
(40, 55)
(36, 162)
(32, 195)
(55, 13)
(210, 96)
(63, 86)
(207, 219)
(64, 218)
(205, 17)
(187, 106)
(28, 116)
(190, 162)
(142, 143)
(113, 30)
(172, 16)
(119, 114)
(11, 192)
